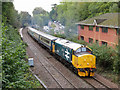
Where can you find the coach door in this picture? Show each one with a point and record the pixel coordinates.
(53, 46)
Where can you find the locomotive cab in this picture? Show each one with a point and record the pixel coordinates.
(84, 61)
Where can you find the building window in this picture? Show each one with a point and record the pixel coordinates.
(90, 40)
(82, 38)
(104, 43)
(118, 31)
(105, 29)
(82, 26)
(97, 29)
(97, 42)
(91, 28)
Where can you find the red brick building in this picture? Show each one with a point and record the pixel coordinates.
(102, 29)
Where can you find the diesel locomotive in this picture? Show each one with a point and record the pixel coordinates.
(78, 55)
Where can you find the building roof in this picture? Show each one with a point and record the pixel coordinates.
(104, 20)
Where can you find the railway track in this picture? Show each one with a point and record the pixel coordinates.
(56, 75)
(99, 82)
(60, 75)
(105, 82)
(95, 84)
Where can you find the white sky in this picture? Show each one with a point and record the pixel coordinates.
(29, 5)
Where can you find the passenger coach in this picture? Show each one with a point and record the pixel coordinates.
(42, 38)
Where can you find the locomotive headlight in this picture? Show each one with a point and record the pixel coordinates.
(87, 63)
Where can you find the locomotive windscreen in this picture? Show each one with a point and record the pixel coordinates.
(82, 50)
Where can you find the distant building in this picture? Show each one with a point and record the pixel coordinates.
(46, 28)
(101, 29)
(49, 23)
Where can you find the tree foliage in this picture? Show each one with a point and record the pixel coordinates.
(15, 70)
(53, 13)
(25, 18)
(73, 12)
(40, 17)
(38, 10)
(69, 13)
(40, 20)
(11, 14)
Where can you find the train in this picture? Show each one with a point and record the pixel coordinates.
(78, 55)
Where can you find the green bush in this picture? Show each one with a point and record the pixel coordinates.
(15, 72)
(116, 66)
(106, 56)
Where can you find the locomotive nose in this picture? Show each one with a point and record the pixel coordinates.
(86, 65)
(86, 61)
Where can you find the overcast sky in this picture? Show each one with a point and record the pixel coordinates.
(29, 5)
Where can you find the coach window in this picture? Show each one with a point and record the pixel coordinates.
(44, 40)
(39, 37)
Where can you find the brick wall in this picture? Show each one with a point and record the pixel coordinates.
(110, 37)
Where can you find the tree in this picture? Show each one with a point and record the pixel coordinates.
(10, 13)
(53, 13)
(40, 17)
(114, 8)
(25, 18)
(39, 10)
(15, 72)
